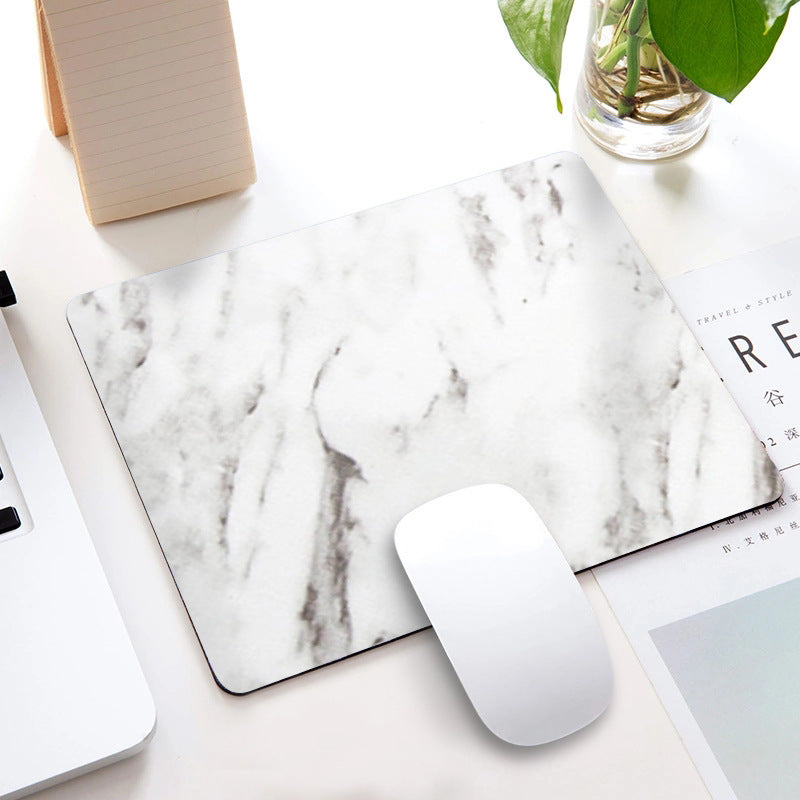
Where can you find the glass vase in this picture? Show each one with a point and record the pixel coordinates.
(631, 100)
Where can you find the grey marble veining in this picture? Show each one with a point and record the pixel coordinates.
(282, 406)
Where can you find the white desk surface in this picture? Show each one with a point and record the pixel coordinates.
(352, 104)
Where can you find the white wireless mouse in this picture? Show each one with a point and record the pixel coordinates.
(509, 613)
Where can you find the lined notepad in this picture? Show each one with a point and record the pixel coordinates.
(149, 91)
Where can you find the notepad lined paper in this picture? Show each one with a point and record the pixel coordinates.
(152, 100)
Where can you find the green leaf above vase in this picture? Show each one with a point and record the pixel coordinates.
(720, 45)
(537, 28)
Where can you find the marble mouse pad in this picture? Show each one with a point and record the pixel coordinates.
(283, 405)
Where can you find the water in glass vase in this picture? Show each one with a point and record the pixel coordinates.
(630, 99)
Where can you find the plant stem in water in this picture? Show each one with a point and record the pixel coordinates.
(627, 100)
(611, 59)
(626, 71)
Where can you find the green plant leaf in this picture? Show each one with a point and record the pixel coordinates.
(773, 9)
(720, 45)
(537, 28)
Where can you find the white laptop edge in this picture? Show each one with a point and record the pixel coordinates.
(73, 697)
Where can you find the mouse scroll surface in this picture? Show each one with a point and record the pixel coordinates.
(509, 613)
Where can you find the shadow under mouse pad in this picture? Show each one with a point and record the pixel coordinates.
(282, 406)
